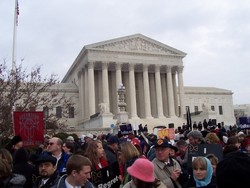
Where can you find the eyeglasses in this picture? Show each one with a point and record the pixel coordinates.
(51, 143)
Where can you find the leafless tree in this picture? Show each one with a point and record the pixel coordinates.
(22, 91)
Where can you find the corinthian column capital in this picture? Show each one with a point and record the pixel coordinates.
(180, 69)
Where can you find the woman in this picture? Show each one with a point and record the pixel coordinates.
(68, 147)
(142, 173)
(96, 155)
(202, 174)
(214, 161)
(7, 177)
(129, 153)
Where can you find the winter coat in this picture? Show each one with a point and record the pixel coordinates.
(61, 183)
(14, 181)
(51, 181)
(163, 172)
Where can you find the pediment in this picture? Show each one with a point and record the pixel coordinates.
(136, 43)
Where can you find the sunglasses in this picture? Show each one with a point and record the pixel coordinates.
(51, 143)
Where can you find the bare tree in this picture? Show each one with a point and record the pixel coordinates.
(22, 91)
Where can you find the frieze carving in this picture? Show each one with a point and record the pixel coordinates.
(136, 44)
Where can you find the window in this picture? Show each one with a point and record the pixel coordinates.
(71, 112)
(212, 108)
(220, 110)
(59, 112)
(196, 109)
(45, 112)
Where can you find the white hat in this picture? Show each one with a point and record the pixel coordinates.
(225, 138)
(240, 133)
(70, 138)
(90, 135)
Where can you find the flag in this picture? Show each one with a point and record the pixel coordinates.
(30, 126)
(188, 116)
(17, 12)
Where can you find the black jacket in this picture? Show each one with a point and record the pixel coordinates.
(51, 181)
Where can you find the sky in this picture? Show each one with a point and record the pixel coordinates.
(214, 34)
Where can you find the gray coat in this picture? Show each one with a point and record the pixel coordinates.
(163, 172)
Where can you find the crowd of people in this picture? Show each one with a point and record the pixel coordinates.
(142, 159)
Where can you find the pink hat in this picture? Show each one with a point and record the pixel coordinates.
(142, 169)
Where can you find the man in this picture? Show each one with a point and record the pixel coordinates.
(16, 143)
(233, 170)
(48, 175)
(166, 168)
(55, 149)
(111, 149)
(78, 172)
(195, 137)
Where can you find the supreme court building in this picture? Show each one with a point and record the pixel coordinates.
(152, 75)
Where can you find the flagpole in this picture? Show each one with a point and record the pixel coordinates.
(16, 12)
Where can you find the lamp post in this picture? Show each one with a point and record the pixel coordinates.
(122, 115)
(121, 98)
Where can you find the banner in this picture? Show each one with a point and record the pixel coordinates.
(29, 125)
(126, 129)
(203, 150)
(107, 177)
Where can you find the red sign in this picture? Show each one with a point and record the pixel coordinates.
(29, 125)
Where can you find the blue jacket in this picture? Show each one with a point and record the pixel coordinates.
(61, 164)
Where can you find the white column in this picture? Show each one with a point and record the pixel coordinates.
(86, 101)
(118, 75)
(91, 84)
(175, 91)
(147, 101)
(181, 90)
(158, 91)
(132, 92)
(81, 94)
(170, 92)
(105, 85)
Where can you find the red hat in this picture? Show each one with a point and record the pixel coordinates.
(142, 169)
(135, 141)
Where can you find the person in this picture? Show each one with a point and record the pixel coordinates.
(78, 170)
(48, 175)
(111, 149)
(21, 166)
(142, 173)
(16, 143)
(166, 169)
(182, 146)
(68, 147)
(6, 155)
(246, 145)
(55, 149)
(233, 170)
(87, 139)
(212, 138)
(195, 137)
(8, 178)
(173, 151)
(202, 174)
(129, 153)
(214, 161)
(96, 155)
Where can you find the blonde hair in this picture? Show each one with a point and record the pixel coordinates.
(212, 138)
(6, 155)
(129, 151)
(199, 162)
